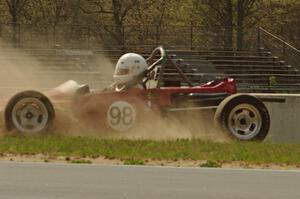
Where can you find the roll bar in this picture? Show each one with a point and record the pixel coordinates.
(164, 58)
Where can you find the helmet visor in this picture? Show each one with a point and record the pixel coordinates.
(122, 71)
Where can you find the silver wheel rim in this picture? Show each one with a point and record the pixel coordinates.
(244, 121)
(30, 115)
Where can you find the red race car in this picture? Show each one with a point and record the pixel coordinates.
(126, 104)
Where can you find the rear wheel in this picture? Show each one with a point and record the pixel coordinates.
(243, 117)
(29, 112)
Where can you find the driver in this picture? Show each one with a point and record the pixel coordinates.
(129, 72)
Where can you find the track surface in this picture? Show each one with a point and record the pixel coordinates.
(37, 181)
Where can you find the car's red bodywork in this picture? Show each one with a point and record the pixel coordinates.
(92, 108)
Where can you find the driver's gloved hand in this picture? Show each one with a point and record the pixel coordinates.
(151, 75)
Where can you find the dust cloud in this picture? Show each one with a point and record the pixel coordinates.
(186, 125)
(198, 125)
(44, 69)
(16, 71)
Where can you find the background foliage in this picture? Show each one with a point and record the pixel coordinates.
(227, 23)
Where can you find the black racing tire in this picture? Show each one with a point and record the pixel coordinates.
(31, 106)
(243, 117)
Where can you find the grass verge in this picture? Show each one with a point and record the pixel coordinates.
(133, 161)
(81, 161)
(138, 152)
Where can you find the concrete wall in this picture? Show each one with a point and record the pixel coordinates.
(285, 117)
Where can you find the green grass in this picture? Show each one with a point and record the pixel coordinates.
(81, 161)
(133, 161)
(211, 163)
(139, 151)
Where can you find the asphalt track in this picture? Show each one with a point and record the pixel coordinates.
(63, 181)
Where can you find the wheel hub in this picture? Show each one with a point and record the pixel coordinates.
(244, 121)
(30, 115)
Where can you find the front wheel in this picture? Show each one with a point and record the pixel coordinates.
(29, 112)
(243, 117)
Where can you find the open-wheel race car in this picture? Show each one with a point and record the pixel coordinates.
(138, 92)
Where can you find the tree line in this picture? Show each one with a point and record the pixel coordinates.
(229, 20)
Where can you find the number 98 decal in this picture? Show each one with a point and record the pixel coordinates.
(121, 116)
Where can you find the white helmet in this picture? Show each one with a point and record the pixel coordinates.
(128, 67)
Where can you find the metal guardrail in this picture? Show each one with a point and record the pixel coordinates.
(279, 47)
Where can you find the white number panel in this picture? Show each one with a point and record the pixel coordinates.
(121, 116)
